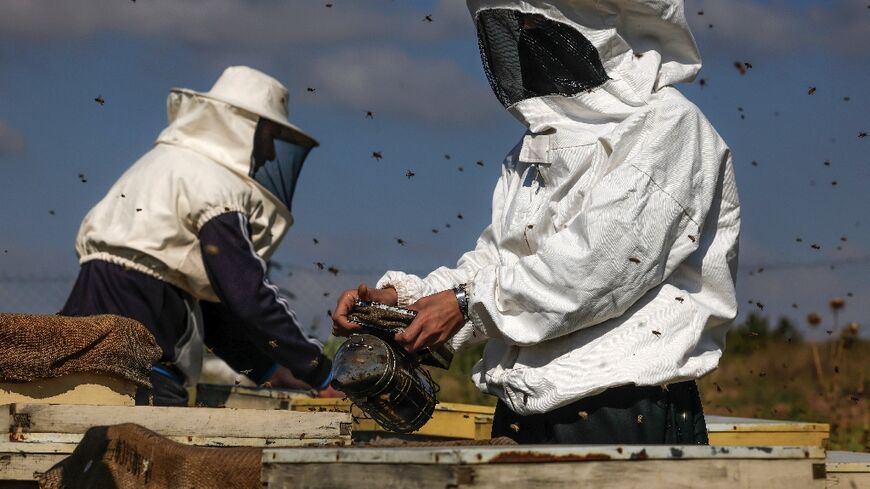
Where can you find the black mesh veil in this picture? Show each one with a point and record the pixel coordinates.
(277, 160)
(527, 55)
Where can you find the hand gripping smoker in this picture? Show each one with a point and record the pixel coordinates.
(385, 381)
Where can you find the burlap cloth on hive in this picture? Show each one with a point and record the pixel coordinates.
(36, 347)
(128, 456)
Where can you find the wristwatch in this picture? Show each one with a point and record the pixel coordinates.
(462, 299)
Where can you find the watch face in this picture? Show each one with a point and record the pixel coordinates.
(462, 299)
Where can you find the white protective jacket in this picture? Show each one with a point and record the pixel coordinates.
(611, 256)
(206, 152)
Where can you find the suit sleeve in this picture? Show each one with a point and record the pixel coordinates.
(411, 288)
(238, 277)
(637, 224)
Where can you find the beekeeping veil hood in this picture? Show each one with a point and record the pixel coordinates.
(242, 124)
(582, 58)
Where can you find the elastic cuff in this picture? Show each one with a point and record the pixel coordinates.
(160, 370)
(326, 382)
(214, 212)
(409, 288)
(321, 375)
(476, 307)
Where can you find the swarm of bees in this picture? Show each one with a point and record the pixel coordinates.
(742, 67)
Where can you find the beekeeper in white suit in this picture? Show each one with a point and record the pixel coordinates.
(605, 284)
(188, 229)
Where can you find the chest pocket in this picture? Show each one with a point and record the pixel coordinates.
(574, 173)
(543, 198)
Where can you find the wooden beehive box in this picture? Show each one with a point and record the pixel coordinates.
(601, 467)
(244, 397)
(728, 431)
(77, 388)
(848, 470)
(471, 422)
(40, 435)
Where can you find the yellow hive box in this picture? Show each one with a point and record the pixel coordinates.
(471, 422)
(450, 420)
(743, 432)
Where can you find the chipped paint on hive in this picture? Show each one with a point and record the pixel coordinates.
(521, 457)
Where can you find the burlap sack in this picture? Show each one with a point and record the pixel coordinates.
(128, 456)
(36, 347)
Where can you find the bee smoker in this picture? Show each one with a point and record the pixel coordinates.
(379, 376)
(385, 383)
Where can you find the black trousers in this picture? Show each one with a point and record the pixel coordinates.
(626, 415)
(164, 391)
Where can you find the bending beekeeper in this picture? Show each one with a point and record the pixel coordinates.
(181, 240)
(604, 285)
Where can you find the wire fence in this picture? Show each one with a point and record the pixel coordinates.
(311, 292)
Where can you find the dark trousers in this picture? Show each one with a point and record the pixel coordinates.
(165, 390)
(626, 415)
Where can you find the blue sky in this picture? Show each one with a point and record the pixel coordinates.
(430, 98)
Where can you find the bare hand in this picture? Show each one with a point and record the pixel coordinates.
(283, 378)
(330, 392)
(438, 319)
(341, 325)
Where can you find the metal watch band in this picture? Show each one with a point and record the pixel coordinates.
(462, 299)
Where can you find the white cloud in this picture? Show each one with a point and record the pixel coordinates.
(268, 24)
(335, 43)
(12, 142)
(435, 90)
(780, 26)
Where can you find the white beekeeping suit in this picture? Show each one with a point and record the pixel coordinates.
(612, 251)
(181, 241)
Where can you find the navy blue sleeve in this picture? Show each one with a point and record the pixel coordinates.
(238, 277)
(230, 338)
